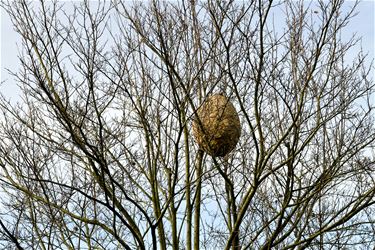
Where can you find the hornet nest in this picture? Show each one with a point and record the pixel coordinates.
(217, 127)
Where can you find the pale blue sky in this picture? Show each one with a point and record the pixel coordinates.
(363, 24)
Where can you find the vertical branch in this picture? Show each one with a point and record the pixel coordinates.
(231, 205)
(197, 202)
(189, 213)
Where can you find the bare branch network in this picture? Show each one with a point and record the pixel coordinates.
(99, 153)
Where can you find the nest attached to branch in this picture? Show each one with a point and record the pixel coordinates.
(217, 127)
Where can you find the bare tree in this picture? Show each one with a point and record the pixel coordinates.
(99, 153)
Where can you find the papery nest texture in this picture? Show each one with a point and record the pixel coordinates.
(217, 127)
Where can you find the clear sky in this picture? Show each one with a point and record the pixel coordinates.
(363, 24)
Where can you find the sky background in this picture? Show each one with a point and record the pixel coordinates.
(363, 25)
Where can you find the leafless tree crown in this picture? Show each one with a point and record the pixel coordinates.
(99, 152)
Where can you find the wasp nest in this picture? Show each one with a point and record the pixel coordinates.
(217, 126)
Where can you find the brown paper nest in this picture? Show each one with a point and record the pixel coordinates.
(217, 127)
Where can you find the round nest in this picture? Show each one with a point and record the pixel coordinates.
(217, 127)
